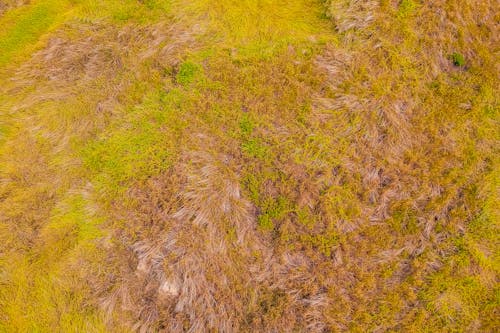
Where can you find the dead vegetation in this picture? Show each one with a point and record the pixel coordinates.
(64, 95)
(172, 179)
(5, 5)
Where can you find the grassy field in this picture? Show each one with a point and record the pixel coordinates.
(249, 166)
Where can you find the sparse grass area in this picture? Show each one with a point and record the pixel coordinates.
(253, 165)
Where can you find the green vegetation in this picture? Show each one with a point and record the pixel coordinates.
(458, 59)
(252, 165)
(25, 25)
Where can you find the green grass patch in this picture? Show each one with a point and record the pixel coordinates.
(23, 27)
(188, 73)
(142, 146)
(458, 59)
(406, 8)
(272, 211)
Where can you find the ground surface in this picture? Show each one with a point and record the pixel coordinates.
(250, 165)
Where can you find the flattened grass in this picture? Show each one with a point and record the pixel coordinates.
(337, 160)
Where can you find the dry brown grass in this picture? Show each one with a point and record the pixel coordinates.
(201, 264)
(332, 184)
(62, 97)
(5, 5)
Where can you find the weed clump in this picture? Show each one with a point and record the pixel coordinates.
(458, 59)
(187, 73)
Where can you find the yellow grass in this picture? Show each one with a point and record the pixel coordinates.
(252, 165)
